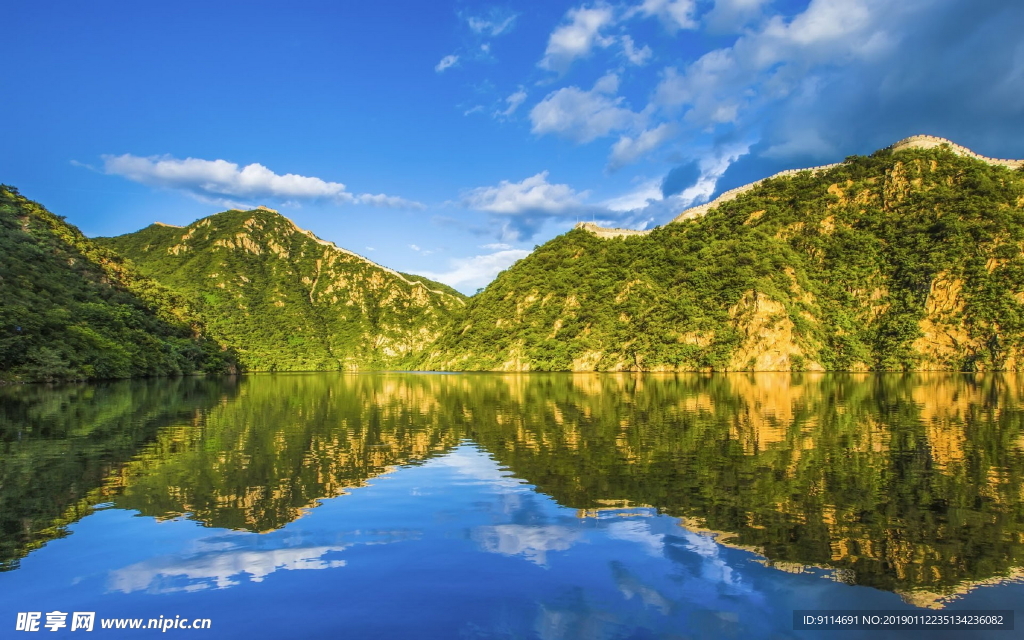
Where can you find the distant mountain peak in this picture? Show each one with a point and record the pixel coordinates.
(919, 141)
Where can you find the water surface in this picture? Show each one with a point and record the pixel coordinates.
(512, 506)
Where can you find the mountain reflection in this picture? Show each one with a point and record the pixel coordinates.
(908, 483)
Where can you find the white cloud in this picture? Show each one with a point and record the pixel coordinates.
(628, 150)
(639, 198)
(578, 37)
(583, 116)
(730, 16)
(468, 274)
(492, 26)
(640, 532)
(381, 200)
(635, 56)
(530, 541)
(496, 246)
(447, 61)
(674, 14)
(220, 180)
(513, 102)
(531, 195)
(218, 570)
(477, 109)
(771, 63)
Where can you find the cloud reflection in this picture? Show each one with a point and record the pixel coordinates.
(218, 569)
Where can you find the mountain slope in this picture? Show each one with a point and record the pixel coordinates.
(70, 309)
(908, 259)
(287, 300)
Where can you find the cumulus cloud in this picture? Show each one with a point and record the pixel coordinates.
(519, 209)
(647, 192)
(635, 56)
(583, 116)
(220, 180)
(628, 150)
(851, 76)
(730, 16)
(531, 195)
(577, 37)
(469, 274)
(381, 200)
(513, 102)
(448, 61)
(674, 14)
(772, 63)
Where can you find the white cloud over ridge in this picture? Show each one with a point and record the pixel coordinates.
(628, 150)
(583, 116)
(531, 195)
(221, 180)
(468, 274)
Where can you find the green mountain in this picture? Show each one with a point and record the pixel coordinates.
(287, 300)
(70, 309)
(908, 259)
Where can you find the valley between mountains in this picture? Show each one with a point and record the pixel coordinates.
(909, 259)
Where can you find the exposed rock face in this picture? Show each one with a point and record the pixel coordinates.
(288, 300)
(768, 337)
(944, 341)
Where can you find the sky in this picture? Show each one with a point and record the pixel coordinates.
(449, 139)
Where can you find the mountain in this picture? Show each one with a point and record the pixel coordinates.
(70, 309)
(910, 259)
(287, 300)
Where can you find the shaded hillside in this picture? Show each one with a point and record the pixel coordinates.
(287, 300)
(70, 309)
(904, 260)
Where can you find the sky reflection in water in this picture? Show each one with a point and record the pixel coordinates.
(391, 506)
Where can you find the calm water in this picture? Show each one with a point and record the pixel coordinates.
(521, 506)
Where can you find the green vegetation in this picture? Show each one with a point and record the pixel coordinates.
(60, 443)
(288, 301)
(903, 482)
(908, 260)
(898, 261)
(70, 309)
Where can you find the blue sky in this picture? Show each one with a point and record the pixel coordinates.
(450, 138)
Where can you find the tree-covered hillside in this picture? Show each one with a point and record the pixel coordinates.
(70, 309)
(288, 301)
(901, 260)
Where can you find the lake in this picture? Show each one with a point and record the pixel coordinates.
(553, 506)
